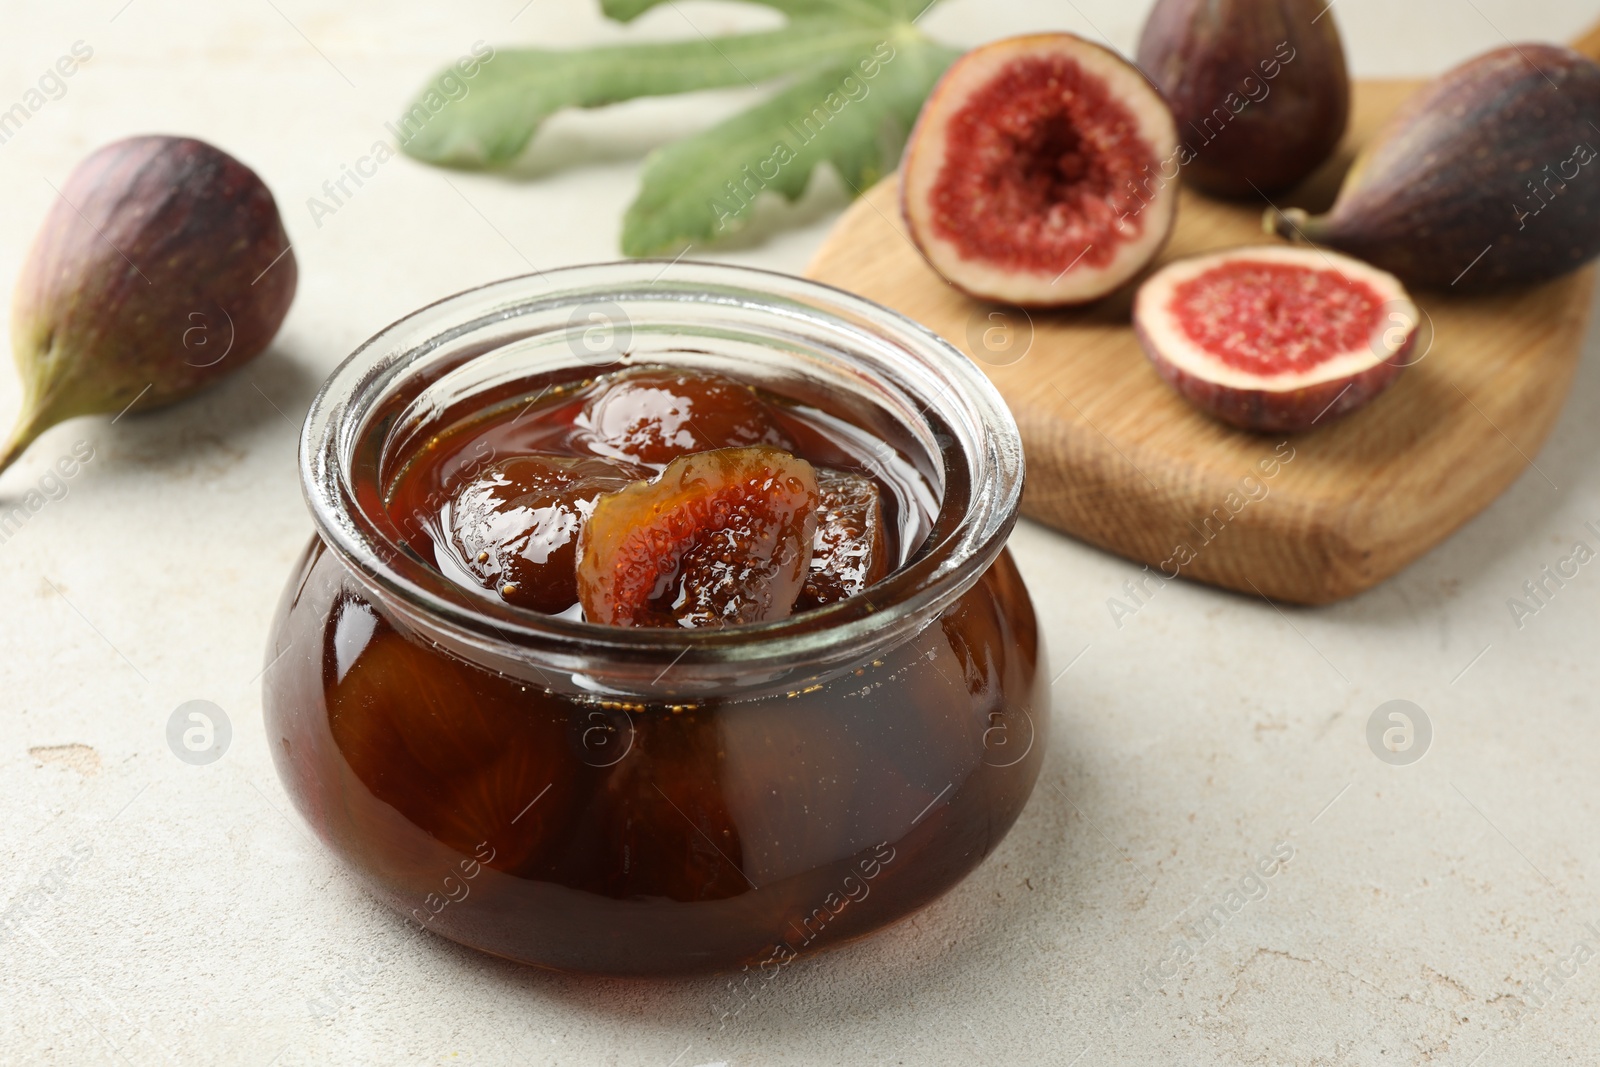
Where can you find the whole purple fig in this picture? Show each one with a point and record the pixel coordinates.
(1486, 177)
(1258, 87)
(162, 266)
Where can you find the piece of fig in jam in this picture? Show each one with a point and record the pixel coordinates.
(719, 538)
(514, 528)
(653, 415)
(849, 552)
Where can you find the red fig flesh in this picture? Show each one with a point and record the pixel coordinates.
(1485, 177)
(1034, 174)
(162, 266)
(719, 538)
(1276, 339)
(1258, 88)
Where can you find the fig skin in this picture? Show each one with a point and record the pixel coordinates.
(1448, 179)
(1269, 411)
(1205, 56)
(149, 280)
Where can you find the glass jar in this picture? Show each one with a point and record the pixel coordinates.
(618, 801)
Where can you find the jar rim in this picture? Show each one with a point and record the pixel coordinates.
(976, 435)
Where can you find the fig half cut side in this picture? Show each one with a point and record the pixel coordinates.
(1041, 172)
(1276, 339)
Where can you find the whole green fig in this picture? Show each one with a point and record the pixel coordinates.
(162, 266)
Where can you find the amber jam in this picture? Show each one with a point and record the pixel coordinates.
(501, 503)
(762, 754)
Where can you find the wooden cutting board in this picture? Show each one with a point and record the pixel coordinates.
(1117, 459)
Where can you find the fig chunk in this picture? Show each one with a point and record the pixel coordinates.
(514, 528)
(719, 538)
(848, 554)
(653, 415)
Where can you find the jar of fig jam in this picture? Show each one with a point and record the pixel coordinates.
(649, 800)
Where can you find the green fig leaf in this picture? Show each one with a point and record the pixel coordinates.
(856, 73)
(880, 12)
(703, 188)
(515, 91)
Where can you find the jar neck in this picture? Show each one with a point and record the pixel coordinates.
(792, 336)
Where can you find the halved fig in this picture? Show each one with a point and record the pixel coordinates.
(653, 415)
(1276, 339)
(1037, 173)
(514, 528)
(719, 538)
(848, 553)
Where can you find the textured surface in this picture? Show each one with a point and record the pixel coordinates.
(193, 921)
(1119, 459)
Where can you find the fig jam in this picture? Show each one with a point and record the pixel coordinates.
(674, 796)
(499, 501)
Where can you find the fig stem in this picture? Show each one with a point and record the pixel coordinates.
(1290, 223)
(27, 430)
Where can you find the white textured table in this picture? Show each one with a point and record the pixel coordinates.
(173, 913)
